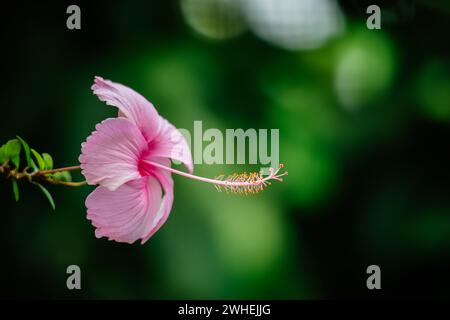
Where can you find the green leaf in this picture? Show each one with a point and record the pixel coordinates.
(16, 161)
(48, 161)
(26, 148)
(33, 164)
(47, 194)
(15, 190)
(12, 147)
(66, 176)
(57, 176)
(3, 157)
(11, 150)
(40, 160)
(63, 176)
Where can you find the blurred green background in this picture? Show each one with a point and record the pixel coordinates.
(364, 119)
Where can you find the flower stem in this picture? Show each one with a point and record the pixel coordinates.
(67, 183)
(58, 182)
(72, 168)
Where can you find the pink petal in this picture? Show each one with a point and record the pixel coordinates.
(127, 214)
(110, 155)
(131, 105)
(165, 178)
(170, 143)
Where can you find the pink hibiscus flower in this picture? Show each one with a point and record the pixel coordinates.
(129, 158)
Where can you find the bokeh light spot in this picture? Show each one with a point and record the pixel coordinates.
(214, 19)
(294, 24)
(433, 90)
(365, 70)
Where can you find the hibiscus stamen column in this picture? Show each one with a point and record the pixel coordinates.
(236, 183)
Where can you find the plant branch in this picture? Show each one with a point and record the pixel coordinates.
(41, 175)
(67, 183)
